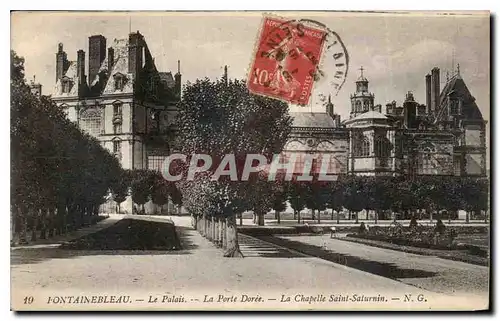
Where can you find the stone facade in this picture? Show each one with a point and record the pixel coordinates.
(445, 136)
(127, 104)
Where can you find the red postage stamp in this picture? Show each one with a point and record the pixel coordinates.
(286, 60)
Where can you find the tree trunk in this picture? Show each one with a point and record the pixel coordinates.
(233, 248)
(332, 215)
(241, 219)
(319, 217)
(260, 219)
(13, 217)
(313, 217)
(430, 216)
(357, 217)
(298, 216)
(23, 239)
(43, 221)
(34, 215)
(338, 217)
(224, 233)
(254, 218)
(467, 216)
(279, 216)
(376, 216)
(221, 232)
(52, 220)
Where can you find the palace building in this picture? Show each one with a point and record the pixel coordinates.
(123, 100)
(444, 136)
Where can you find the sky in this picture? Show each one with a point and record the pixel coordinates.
(396, 50)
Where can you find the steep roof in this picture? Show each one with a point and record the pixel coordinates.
(167, 78)
(308, 119)
(456, 88)
(71, 74)
(120, 65)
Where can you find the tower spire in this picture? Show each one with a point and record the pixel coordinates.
(458, 69)
(361, 71)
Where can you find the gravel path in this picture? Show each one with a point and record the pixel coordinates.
(199, 266)
(447, 276)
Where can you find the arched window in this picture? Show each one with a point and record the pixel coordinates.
(382, 147)
(362, 147)
(117, 148)
(90, 121)
(358, 106)
(366, 105)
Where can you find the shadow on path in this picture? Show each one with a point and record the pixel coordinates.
(379, 268)
(253, 247)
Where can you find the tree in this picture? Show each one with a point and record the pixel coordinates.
(218, 118)
(296, 197)
(335, 197)
(47, 189)
(143, 183)
(121, 188)
(354, 199)
(279, 198)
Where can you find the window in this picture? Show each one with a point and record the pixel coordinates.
(358, 106)
(361, 147)
(66, 86)
(117, 147)
(425, 161)
(90, 121)
(119, 81)
(382, 147)
(454, 110)
(117, 128)
(156, 162)
(117, 109)
(366, 105)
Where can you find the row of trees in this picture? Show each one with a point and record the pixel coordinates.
(143, 186)
(383, 195)
(59, 175)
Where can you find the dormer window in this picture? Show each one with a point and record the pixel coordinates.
(66, 85)
(120, 80)
(454, 107)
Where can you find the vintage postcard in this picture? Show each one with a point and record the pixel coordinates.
(250, 161)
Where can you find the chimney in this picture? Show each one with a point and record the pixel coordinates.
(330, 107)
(410, 111)
(435, 90)
(428, 90)
(134, 53)
(80, 66)
(178, 79)
(111, 60)
(97, 53)
(61, 62)
(336, 121)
